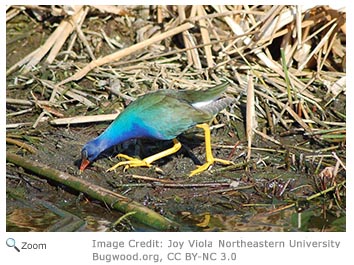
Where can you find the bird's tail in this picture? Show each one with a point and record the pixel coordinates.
(196, 96)
(216, 106)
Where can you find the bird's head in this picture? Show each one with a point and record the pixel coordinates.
(88, 154)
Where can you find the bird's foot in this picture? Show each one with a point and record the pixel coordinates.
(208, 164)
(131, 162)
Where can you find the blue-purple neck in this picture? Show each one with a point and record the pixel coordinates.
(124, 128)
(116, 133)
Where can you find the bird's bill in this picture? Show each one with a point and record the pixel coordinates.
(84, 163)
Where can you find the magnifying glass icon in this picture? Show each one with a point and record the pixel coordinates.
(10, 242)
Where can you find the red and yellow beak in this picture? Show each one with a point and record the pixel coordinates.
(84, 163)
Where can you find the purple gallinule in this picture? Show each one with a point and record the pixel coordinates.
(162, 115)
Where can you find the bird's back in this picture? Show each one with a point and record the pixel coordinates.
(165, 114)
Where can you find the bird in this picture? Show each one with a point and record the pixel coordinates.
(162, 115)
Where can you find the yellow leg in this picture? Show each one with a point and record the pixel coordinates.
(208, 154)
(146, 162)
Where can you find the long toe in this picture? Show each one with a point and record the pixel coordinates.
(126, 157)
(131, 162)
(222, 161)
(208, 164)
(118, 165)
(200, 169)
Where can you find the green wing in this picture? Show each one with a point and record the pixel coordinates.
(165, 114)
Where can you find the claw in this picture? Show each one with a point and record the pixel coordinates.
(131, 162)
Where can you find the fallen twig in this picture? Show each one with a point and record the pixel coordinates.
(84, 119)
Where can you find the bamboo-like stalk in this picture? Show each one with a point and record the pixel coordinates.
(182, 17)
(112, 199)
(205, 36)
